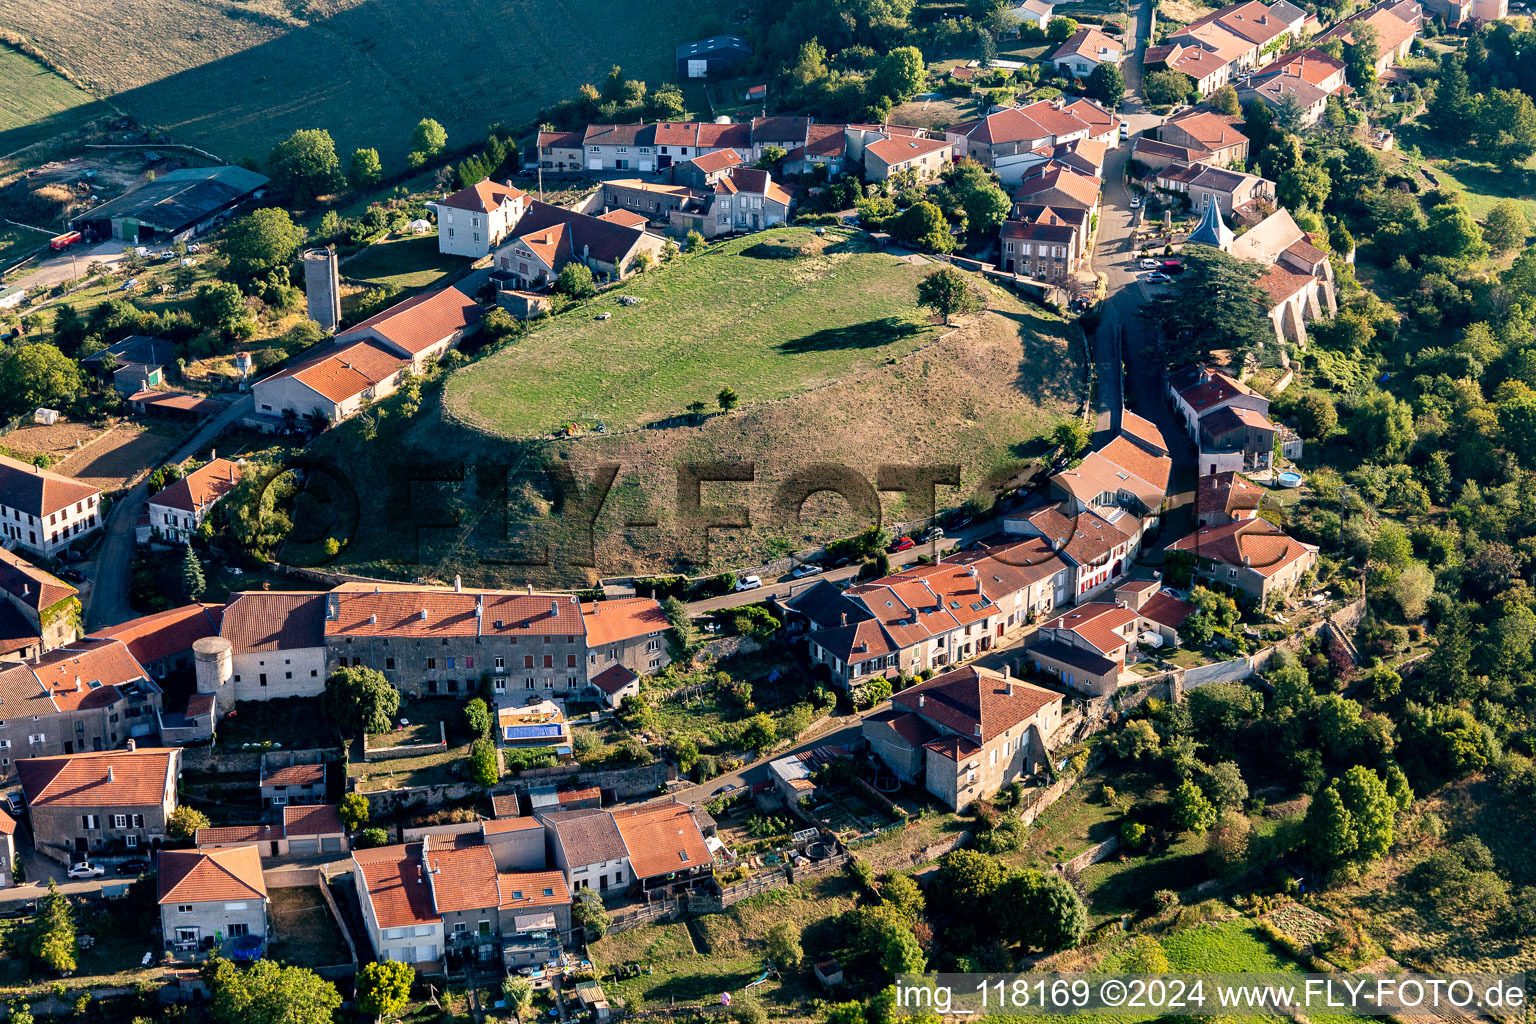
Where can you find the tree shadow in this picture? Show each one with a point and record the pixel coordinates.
(1039, 376)
(870, 334)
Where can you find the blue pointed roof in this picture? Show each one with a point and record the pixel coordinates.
(1212, 230)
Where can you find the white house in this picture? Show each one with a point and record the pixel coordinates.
(44, 512)
(1086, 50)
(211, 896)
(176, 512)
(398, 911)
(476, 219)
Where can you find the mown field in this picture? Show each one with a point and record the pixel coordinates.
(442, 500)
(234, 77)
(35, 102)
(768, 327)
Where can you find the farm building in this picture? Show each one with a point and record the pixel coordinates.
(175, 206)
(707, 56)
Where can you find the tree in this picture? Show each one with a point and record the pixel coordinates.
(269, 993)
(1360, 55)
(1306, 185)
(575, 281)
(1226, 845)
(1192, 811)
(1384, 426)
(360, 700)
(1505, 230)
(371, 838)
(1072, 437)
(923, 226)
(1456, 234)
(353, 811)
(484, 762)
(902, 893)
(900, 74)
(1506, 127)
(305, 165)
(1168, 88)
(1215, 302)
(517, 990)
(693, 241)
(727, 399)
(1225, 786)
(1316, 415)
(1059, 30)
(749, 1011)
(1351, 820)
(1225, 101)
(192, 582)
(900, 953)
(1452, 111)
(38, 374)
(985, 203)
(784, 949)
(69, 330)
(384, 988)
(52, 940)
(185, 821)
(948, 291)
(1106, 84)
(641, 262)
(429, 138)
(478, 717)
(1043, 911)
(365, 171)
(589, 913)
(220, 306)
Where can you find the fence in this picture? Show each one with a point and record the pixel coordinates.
(633, 917)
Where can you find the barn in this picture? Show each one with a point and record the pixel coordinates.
(173, 207)
(710, 56)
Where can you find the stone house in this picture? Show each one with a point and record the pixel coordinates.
(549, 237)
(176, 512)
(42, 512)
(925, 158)
(162, 641)
(1088, 647)
(665, 846)
(586, 847)
(38, 611)
(561, 152)
(1208, 132)
(287, 780)
(477, 218)
(1085, 50)
(1249, 557)
(966, 734)
(115, 802)
(209, 897)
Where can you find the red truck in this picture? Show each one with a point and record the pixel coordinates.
(65, 240)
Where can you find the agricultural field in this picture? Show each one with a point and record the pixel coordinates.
(37, 103)
(740, 315)
(126, 450)
(57, 441)
(443, 502)
(236, 77)
(411, 264)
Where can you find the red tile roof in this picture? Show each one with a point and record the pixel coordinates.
(525, 890)
(1227, 494)
(1074, 186)
(296, 775)
(1204, 387)
(1253, 543)
(207, 876)
(1143, 429)
(899, 150)
(344, 371)
(1100, 623)
(1212, 130)
(622, 619)
(716, 161)
(1155, 469)
(1166, 610)
(661, 838)
(463, 879)
(613, 679)
(311, 820)
(396, 885)
(86, 674)
(38, 492)
(166, 634)
(1091, 43)
(1002, 127)
(628, 218)
(975, 703)
(228, 835)
(201, 487)
(33, 587)
(422, 321)
(275, 620)
(484, 196)
(112, 778)
(200, 404)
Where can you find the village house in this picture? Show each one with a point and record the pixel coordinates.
(1280, 89)
(285, 779)
(89, 695)
(42, 512)
(1013, 141)
(1298, 279)
(626, 635)
(1057, 185)
(398, 914)
(1222, 498)
(1085, 50)
(1088, 647)
(271, 644)
(966, 734)
(176, 512)
(654, 201)
(477, 218)
(826, 146)
(1312, 66)
(1044, 249)
(665, 847)
(1247, 34)
(209, 897)
(100, 804)
(1227, 420)
(144, 356)
(38, 611)
(1233, 191)
(367, 362)
(746, 199)
(701, 172)
(588, 850)
(549, 237)
(1250, 556)
(561, 152)
(1208, 70)
(1209, 132)
(1033, 12)
(925, 158)
(1160, 611)
(1396, 23)
(1098, 546)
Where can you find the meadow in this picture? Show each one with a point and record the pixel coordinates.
(36, 102)
(236, 77)
(767, 327)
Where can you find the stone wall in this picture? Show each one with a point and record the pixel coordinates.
(625, 783)
(222, 759)
(1093, 855)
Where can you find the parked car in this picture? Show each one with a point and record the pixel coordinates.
(15, 804)
(1135, 201)
(71, 575)
(85, 869)
(1157, 277)
(800, 572)
(132, 867)
(1149, 263)
(748, 583)
(961, 523)
(1125, 131)
(934, 533)
(901, 544)
(723, 790)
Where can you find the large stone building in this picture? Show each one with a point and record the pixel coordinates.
(43, 513)
(38, 611)
(86, 805)
(966, 734)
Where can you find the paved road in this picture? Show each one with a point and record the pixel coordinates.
(71, 264)
(107, 602)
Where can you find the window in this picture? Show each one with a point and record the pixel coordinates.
(263, 679)
(184, 908)
(90, 821)
(237, 930)
(570, 682)
(460, 927)
(528, 683)
(119, 821)
(389, 664)
(527, 661)
(448, 663)
(570, 661)
(431, 663)
(131, 841)
(549, 661)
(237, 905)
(501, 663)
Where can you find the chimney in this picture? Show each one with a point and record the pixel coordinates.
(373, 620)
(458, 584)
(1009, 684)
(554, 607)
(423, 615)
(213, 453)
(845, 618)
(530, 590)
(479, 606)
(110, 776)
(26, 590)
(1007, 672)
(920, 699)
(132, 745)
(78, 687)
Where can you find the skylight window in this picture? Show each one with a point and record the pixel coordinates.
(684, 855)
(94, 684)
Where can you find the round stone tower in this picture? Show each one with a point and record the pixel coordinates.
(215, 663)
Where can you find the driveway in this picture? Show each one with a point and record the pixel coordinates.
(70, 264)
(107, 602)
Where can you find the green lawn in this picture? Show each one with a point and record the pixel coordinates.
(15, 242)
(36, 103)
(408, 263)
(768, 327)
(1484, 185)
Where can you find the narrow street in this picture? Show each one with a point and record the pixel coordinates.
(107, 602)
